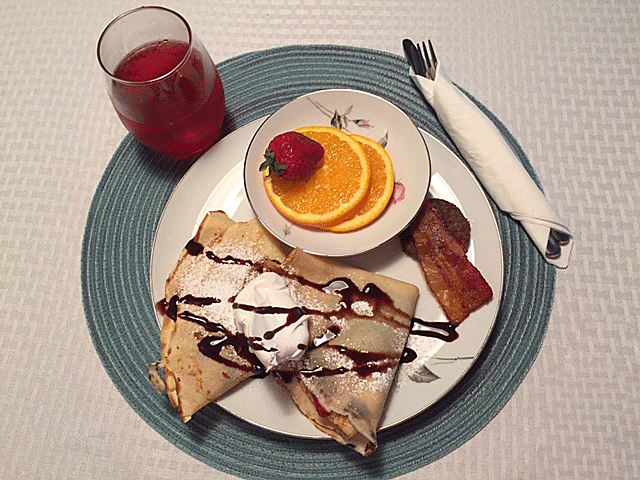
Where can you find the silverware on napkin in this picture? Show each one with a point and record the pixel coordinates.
(489, 156)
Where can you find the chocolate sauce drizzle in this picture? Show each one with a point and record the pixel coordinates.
(408, 355)
(194, 248)
(445, 331)
(220, 337)
(211, 346)
(170, 308)
(350, 293)
(365, 363)
(228, 260)
(293, 315)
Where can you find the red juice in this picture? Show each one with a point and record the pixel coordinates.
(175, 112)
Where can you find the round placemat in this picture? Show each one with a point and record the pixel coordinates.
(118, 306)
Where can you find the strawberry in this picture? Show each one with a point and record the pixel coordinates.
(292, 155)
(321, 410)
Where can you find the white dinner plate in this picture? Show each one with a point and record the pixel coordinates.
(355, 112)
(215, 182)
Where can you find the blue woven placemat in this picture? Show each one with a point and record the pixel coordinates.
(119, 309)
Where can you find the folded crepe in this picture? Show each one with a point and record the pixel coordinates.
(203, 354)
(359, 324)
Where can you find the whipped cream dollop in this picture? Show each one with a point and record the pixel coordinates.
(277, 329)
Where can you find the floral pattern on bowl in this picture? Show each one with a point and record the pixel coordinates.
(341, 121)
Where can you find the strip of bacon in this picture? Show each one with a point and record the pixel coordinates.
(456, 283)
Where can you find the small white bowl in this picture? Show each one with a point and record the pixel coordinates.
(353, 112)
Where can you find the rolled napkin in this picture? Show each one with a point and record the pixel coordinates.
(496, 166)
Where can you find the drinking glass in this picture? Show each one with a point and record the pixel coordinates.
(161, 81)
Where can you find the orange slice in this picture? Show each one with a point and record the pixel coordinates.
(333, 190)
(379, 193)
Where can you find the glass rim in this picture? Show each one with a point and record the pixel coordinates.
(156, 79)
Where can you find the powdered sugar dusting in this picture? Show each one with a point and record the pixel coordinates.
(362, 308)
(204, 277)
(426, 348)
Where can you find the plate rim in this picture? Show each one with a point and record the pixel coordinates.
(450, 385)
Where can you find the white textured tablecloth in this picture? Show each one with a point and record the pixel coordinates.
(570, 94)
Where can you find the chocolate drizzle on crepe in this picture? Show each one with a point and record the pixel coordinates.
(359, 322)
(211, 345)
(343, 381)
(365, 363)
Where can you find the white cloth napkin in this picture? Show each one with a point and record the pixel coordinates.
(494, 163)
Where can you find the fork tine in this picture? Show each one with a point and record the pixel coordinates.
(433, 54)
(406, 45)
(419, 57)
(412, 56)
(432, 61)
(425, 54)
(422, 68)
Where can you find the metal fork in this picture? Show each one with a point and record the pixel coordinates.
(423, 62)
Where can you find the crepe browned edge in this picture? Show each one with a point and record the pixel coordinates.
(354, 404)
(191, 379)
